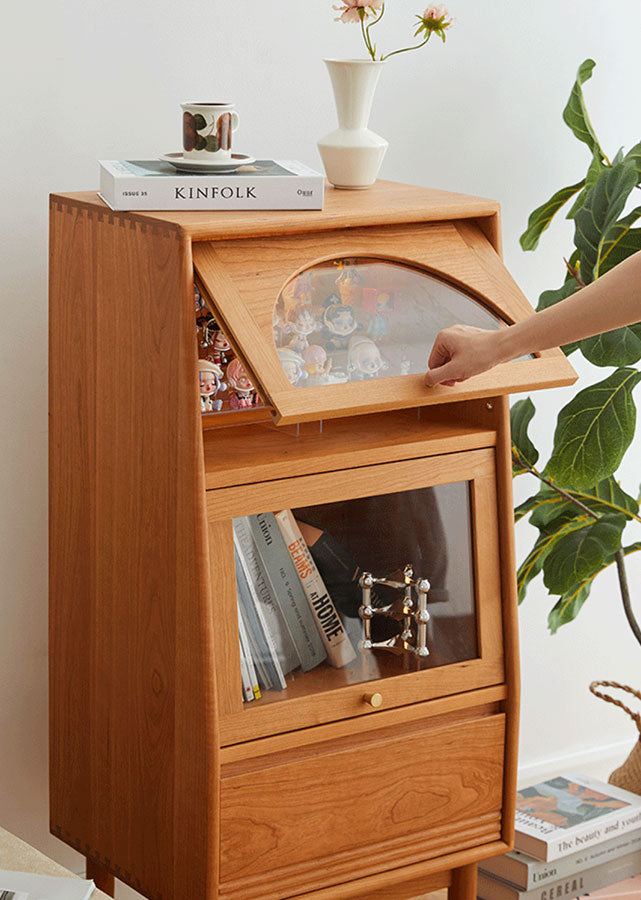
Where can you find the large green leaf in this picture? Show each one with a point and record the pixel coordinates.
(543, 215)
(520, 417)
(612, 238)
(628, 243)
(634, 156)
(581, 554)
(593, 432)
(569, 605)
(575, 115)
(597, 166)
(603, 206)
(548, 506)
(550, 298)
(533, 563)
(621, 347)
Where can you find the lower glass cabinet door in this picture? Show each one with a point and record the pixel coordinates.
(376, 597)
(369, 587)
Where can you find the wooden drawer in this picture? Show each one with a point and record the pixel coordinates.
(327, 813)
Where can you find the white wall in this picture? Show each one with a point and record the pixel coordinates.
(86, 79)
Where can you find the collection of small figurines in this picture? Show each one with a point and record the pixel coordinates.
(331, 326)
(224, 383)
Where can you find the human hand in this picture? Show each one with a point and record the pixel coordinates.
(460, 352)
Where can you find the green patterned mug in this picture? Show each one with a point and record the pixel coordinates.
(207, 130)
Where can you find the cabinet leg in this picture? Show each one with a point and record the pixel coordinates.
(463, 886)
(105, 881)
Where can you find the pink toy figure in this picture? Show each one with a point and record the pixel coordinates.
(210, 378)
(244, 393)
(364, 359)
(316, 364)
(292, 364)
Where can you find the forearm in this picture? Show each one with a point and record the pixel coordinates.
(610, 302)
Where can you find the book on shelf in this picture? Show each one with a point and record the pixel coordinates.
(628, 889)
(43, 887)
(578, 884)
(264, 596)
(288, 590)
(563, 815)
(132, 184)
(251, 690)
(525, 872)
(263, 649)
(340, 651)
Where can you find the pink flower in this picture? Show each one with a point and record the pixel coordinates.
(434, 20)
(350, 10)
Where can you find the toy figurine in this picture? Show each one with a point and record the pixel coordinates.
(297, 293)
(221, 349)
(208, 328)
(349, 282)
(364, 359)
(302, 323)
(339, 322)
(244, 393)
(316, 364)
(210, 379)
(198, 300)
(292, 364)
(379, 305)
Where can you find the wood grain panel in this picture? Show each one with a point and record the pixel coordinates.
(385, 202)
(264, 452)
(133, 737)
(357, 811)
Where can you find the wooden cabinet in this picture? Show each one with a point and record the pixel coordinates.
(160, 773)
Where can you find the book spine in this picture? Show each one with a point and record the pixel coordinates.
(526, 873)
(593, 879)
(340, 651)
(139, 192)
(256, 621)
(265, 597)
(246, 652)
(288, 590)
(595, 832)
(248, 694)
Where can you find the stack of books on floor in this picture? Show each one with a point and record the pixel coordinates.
(286, 616)
(28, 886)
(574, 837)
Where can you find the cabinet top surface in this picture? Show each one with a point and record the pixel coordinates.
(386, 202)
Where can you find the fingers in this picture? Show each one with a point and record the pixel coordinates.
(447, 374)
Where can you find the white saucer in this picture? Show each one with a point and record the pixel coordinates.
(200, 166)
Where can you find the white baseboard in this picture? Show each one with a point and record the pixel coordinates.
(598, 763)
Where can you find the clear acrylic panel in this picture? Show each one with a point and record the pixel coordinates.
(364, 318)
(305, 623)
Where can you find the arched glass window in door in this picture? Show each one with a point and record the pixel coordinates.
(362, 318)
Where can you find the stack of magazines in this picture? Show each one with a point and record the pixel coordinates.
(574, 836)
(286, 616)
(27, 886)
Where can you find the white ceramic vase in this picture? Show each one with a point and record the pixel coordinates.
(352, 154)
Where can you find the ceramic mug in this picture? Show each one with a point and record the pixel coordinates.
(207, 130)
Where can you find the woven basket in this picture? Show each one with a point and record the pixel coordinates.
(628, 775)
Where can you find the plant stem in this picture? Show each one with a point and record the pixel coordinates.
(372, 49)
(405, 49)
(619, 556)
(625, 594)
(368, 45)
(574, 273)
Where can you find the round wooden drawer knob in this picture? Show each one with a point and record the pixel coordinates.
(374, 700)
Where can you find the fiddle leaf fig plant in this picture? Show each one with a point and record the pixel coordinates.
(580, 510)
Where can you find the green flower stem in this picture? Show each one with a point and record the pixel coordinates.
(619, 556)
(405, 49)
(372, 48)
(365, 33)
